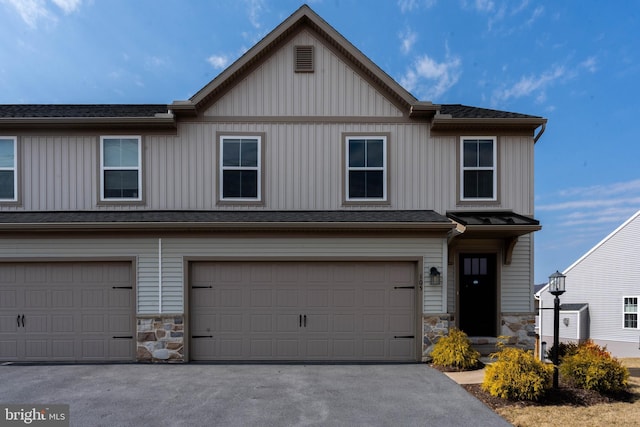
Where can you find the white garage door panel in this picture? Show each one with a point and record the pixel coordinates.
(66, 311)
(303, 311)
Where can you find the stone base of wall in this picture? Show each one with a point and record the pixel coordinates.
(520, 328)
(160, 339)
(434, 327)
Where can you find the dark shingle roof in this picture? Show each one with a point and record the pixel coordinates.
(80, 110)
(574, 307)
(408, 219)
(458, 111)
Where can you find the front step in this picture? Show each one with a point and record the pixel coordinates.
(484, 345)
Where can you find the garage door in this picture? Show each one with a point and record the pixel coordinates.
(303, 311)
(66, 311)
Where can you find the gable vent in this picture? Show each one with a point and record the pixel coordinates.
(303, 59)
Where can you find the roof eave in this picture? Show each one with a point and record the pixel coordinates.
(70, 226)
(444, 123)
(166, 121)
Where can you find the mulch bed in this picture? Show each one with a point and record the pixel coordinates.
(565, 395)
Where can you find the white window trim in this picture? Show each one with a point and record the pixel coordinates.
(14, 168)
(637, 312)
(103, 168)
(494, 169)
(257, 168)
(349, 168)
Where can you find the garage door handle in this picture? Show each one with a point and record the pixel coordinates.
(404, 336)
(123, 338)
(18, 320)
(122, 287)
(201, 336)
(404, 287)
(300, 320)
(23, 320)
(201, 287)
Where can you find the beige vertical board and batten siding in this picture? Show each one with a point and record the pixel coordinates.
(333, 89)
(516, 294)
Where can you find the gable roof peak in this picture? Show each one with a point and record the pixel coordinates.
(301, 18)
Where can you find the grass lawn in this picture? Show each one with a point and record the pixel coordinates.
(573, 407)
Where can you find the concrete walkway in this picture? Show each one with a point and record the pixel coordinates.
(467, 377)
(248, 395)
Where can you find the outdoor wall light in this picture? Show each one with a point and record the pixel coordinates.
(565, 321)
(435, 277)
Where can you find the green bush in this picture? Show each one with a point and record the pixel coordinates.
(517, 375)
(593, 368)
(564, 349)
(455, 351)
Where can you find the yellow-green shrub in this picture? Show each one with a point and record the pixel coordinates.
(517, 375)
(455, 351)
(593, 368)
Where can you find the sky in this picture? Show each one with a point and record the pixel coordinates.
(574, 62)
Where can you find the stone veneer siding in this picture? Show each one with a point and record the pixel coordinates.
(160, 338)
(519, 327)
(434, 326)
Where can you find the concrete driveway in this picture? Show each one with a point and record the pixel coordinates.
(248, 395)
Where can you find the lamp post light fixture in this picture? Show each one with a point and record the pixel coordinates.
(556, 288)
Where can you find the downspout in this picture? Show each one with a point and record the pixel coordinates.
(159, 276)
(542, 129)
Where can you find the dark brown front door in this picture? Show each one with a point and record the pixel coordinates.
(478, 294)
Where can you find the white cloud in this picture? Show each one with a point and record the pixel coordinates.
(536, 14)
(430, 78)
(485, 5)
(218, 61)
(590, 64)
(68, 6)
(411, 5)
(256, 8)
(33, 12)
(407, 39)
(531, 85)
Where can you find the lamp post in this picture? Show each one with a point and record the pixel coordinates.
(556, 288)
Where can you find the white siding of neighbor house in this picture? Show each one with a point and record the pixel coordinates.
(146, 251)
(602, 278)
(333, 89)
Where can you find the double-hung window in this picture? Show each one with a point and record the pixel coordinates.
(366, 174)
(8, 169)
(478, 169)
(630, 312)
(240, 168)
(121, 168)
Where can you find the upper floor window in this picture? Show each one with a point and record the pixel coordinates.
(630, 312)
(366, 174)
(240, 168)
(121, 168)
(478, 168)
(8, 169)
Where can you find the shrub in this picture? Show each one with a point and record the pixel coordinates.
(517, 375)
(593, 368)
(564, 349)
(455, 351)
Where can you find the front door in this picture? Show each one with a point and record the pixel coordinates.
(478, 294)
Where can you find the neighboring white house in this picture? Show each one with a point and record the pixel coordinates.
(602, 294)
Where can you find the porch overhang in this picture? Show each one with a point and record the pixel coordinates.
(507, 226)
